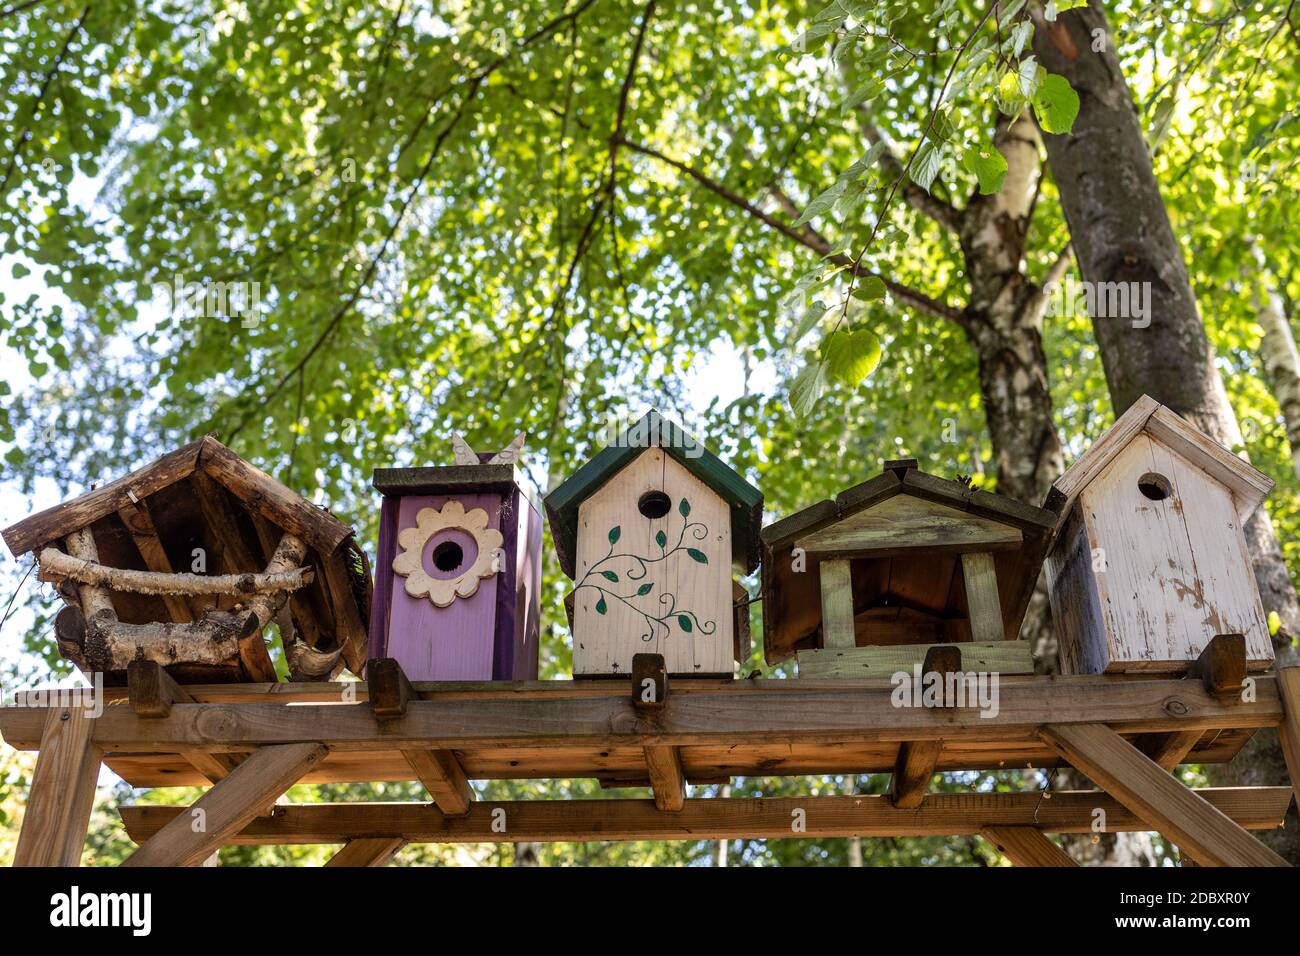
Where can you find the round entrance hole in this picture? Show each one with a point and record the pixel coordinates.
(654, 504)
(1155, 486)
(448, 556)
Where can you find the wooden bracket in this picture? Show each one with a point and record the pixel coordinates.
(1222, 666)
(1025, 846)
(917, 759)
(389, 689)
(152, 690)
(649, 682)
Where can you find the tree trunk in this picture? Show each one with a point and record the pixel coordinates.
(1277, 350)
(1120, 231)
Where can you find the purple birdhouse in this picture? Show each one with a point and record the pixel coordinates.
(459, 569)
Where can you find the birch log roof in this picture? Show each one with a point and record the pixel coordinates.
(204, 496)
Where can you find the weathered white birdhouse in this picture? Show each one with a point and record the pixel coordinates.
(1149, 562)
(648, 530)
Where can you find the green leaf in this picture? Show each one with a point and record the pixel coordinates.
(1020, 35)
(1056, 104)
(614, 532)
(609, 575)
(645, 589)
(870, 289)
(684, 507)
(926, 166)
(698, 555)
(21, 270)
(815, 312)
(822, 203)
(988, 165)
(684, 622)
(867, 91)
(661, 539)
(807, 388)
(601, 607)
(851, 356)
(1028, 77)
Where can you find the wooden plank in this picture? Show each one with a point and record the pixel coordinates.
(666, 777)
(1198, 828)
(542, 821)
(1002, 657)
(837, 604)
(1288, 679)
(228, 807)
(1249, 485)
(367, 851)
(1222, 666)
(140, 524)
(1101, 452)
(905, 524)
(152, 690)
(62, 791)
(743, 712)
(982, 600)
(917, 758)
(443, 777)
(1026, 846)
(45, 526)
(1169, 750)
(389, 690)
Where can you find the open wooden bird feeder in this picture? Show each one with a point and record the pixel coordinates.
(864, 585)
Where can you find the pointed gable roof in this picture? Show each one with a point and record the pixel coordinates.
(1249, 486)
(655, 431)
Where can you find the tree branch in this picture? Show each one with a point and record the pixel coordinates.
(944, 213)
(807, 238)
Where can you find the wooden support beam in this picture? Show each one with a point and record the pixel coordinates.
(663, 764)
(228, 807)
(367, 851)
(918, 758)
(62, 792)
(1222, 666)
(1169, 750)
(543, 821)
(152, 694)
(389, 690)
(837, 604)
(1205, 833)
(135, 515)
(443, 777)
(983, 604)
(1026, 846)
(666, 777)
(1288, 679)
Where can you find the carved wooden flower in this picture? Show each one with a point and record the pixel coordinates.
(428, 522)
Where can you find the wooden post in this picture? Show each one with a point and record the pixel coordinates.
(1025, 846)
(62, 792)
(917, 759)
(837, 604)
(1222, 666)
(228, 807)
(1288, 683)
(367, 852)
(1199, 829)
(982, 600)
(151, 694)
(664, 764)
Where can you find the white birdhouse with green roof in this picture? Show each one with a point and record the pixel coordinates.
(648, 531)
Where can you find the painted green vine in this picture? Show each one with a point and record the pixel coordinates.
(687, 620)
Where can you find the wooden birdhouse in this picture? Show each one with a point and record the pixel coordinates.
(186, 561)
(863, 585)
(459, 569)
(648, 531)
(1150, 562)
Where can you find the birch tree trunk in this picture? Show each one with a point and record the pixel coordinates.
(1121, 232)
(1277, 349)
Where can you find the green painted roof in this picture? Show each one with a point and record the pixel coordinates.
(655, 431)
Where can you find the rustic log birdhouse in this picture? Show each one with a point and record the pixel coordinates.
(864, 584)
(459, 569)
(1149, 562)
(186, 561)
(648, 531)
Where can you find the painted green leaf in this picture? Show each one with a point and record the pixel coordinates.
(698, 555)
(609, 575)
(684, 508)
(988, 165)
(684, 622)
(614, 532)
(600, 605)
(1056, 104)
(645, 589)
(661, 539)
